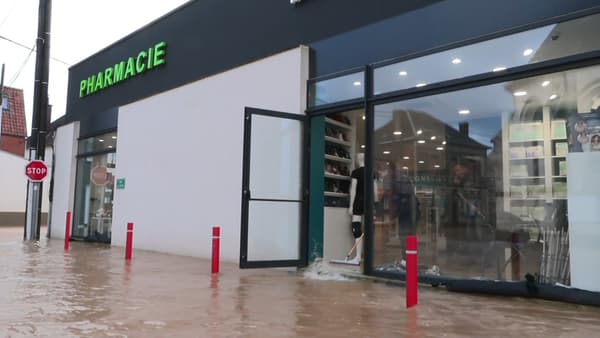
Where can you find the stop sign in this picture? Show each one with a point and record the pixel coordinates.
(36, 170)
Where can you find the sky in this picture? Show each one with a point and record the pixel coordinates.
(79, 28)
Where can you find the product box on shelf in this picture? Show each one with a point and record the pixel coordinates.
(519, 170)
(534, 151)
(537, 212)
(559, 189)
(532, 131)
(517, 152)
(518, 191)
(559, 129)
(536, 190)
(561, 148)
(562, 168)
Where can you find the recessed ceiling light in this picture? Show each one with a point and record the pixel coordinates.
(403, 73)
(421, 141)
(436, 166)
(527, 52)
(114, 137)
(456, 61)
(364, 117)
(397, 133)
(357, 83)
(388, 163)
(110, 146)
(545, 83)
(444, 142)
(362, 146)
(421, 162)
(419, 132)
(419, 85)
(499, 69)
(553, 96)
(100, 140)
(387, 152)
(406, 158)
(405, 168)
(433, 138)
(439, 148)
(464, 112)
(520, 93)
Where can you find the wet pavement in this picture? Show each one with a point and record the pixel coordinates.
(92, 292)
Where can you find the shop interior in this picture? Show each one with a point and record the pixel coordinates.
(479, 175)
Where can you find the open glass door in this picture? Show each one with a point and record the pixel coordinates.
(273, 195)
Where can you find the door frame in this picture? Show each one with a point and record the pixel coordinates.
(246, 194)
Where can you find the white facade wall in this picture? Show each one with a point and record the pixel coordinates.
(13, 182)
(65, 149)
(180, 153)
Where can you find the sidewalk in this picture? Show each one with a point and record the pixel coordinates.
(92, 292)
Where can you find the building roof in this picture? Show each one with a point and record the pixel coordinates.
(13, 119)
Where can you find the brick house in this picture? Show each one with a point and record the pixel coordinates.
(14, 127)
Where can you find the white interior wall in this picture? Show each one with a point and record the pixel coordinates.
(65, 147)
(583, 189)
(180, 153)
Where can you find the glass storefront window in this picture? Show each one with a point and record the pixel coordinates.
(338, 89)
(496, 55)
(105, 142)
(484, 177)
(95, 189)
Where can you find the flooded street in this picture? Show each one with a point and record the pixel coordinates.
(92, 292)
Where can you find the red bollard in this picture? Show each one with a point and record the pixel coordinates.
(412, 271)
(216, 232)
(129, 244)
(68, 231)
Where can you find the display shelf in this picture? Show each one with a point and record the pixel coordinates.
(527, 141)
(520, 178)
(338, 159)
(336, 194)
(526, 158)
(339, 138)
(337, 141)
(527, 198)
(338, 177)
(545, 141)
(338, 124)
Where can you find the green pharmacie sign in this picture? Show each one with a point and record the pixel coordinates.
(145, 60)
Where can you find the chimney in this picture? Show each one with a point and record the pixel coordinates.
(463, 128)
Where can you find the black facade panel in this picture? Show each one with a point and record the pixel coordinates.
(210, 36)
(439, 24)
(100, 122)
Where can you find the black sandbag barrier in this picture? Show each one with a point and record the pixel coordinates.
(524, 289)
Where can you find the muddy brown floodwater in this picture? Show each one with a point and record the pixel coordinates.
(91, 292)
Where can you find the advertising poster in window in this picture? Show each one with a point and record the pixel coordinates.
(583, 131)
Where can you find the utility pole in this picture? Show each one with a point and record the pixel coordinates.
(39, 127)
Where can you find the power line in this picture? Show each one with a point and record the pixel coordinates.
(23, 46)
(16, 76)
(15, 4)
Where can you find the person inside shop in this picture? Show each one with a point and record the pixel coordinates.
(595, 143)
(462, 232)
(406, 208)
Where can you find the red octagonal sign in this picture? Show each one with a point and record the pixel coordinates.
(36, 170)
